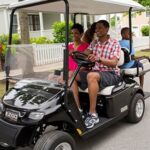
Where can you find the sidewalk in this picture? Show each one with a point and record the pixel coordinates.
(43, 68)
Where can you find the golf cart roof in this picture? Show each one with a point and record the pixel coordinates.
(80, 6)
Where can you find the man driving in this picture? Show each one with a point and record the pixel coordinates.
(105, 53)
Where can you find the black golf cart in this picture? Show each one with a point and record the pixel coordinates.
(33, 105)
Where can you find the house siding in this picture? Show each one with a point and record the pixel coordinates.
(49, 19)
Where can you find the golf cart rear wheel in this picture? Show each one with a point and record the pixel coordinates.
(137, 108)
(55, 140)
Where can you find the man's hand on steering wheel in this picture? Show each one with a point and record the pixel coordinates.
(93, 58)
(82, 58)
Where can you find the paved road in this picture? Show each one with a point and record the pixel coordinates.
(122, 135)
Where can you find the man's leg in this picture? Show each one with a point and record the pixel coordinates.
(93, 87)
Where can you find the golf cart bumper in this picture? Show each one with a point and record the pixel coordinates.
(14, 135)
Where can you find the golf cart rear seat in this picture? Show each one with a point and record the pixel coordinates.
(114, 88)
(135, 72)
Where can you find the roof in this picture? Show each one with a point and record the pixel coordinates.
(80, 6)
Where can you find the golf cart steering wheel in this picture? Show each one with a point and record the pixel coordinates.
(82, 59)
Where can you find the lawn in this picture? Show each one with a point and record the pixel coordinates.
(2, 89)
(143, 53)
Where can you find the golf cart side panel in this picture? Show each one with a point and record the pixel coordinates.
(15, 135)
(119, 102)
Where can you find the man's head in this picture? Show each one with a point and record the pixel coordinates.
(102, 28)
(125, 33)
(77, 31)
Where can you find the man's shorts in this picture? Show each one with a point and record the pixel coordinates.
(108, 78)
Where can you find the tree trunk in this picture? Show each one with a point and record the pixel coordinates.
(24, 28)
(26, 54)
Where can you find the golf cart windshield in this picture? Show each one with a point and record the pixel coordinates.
(25, 60)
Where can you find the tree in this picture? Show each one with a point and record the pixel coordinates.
(145, 3)
(24, 29)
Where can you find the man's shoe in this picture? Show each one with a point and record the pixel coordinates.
(91, 120)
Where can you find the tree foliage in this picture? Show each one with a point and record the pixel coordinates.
(59, 32)
(145, 3)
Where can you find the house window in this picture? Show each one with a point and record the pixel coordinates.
(148, 13)
(34, 22)
(15, 25)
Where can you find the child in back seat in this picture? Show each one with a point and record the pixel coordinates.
(133, 63)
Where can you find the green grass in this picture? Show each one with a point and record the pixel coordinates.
(2, 89)
(143, 53)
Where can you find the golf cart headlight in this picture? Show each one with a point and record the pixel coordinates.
(1, 108)
(36, 115)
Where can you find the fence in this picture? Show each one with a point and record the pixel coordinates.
(47, 53)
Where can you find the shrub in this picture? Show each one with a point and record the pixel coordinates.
(4, 43)
(40, 40)
(145, 30)
(59, 32)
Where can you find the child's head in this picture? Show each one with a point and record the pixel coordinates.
(125, 33)
(77, 31)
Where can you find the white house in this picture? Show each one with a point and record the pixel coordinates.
(40, 23)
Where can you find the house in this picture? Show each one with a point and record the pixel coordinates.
(40, 23)
(138, 21)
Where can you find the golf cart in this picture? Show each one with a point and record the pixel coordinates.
(33, 105)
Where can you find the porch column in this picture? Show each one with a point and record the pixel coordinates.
(85, 22)
(41, 23)
(6, 22)
(62, 18)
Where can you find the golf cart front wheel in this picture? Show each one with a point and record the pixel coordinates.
(6, 148)
(55, 140)
(137, 108)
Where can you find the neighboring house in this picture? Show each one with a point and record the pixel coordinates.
(138, 20)
(40, 23)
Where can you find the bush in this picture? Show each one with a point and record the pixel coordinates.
(145, 30)
(4, 43)
(59, 32)
(40, 40)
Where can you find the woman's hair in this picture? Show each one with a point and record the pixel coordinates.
(79, 27)
(89, 33)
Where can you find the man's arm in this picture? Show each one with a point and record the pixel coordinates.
(87, 52)
(108, 62)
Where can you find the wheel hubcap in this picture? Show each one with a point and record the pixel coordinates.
(64, 146)
(139, 108)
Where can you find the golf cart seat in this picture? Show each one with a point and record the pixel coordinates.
(133, 72)
(137, 71)
(114, 88)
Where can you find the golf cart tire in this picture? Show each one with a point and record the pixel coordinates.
(50, 141)
(132, 115)
(6, 148)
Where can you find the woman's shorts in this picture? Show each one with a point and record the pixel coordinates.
(108, 78)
